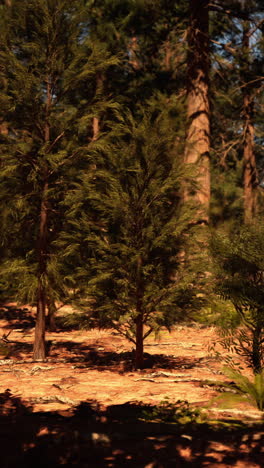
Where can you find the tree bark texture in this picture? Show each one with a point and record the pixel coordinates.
(198, 107)
(249, 160)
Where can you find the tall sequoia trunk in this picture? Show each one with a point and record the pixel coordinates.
(249, 160)
(198, 108)
(39, 351)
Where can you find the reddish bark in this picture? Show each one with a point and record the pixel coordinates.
(198, 108)
(96, 128)
(39, 351)
(250, 167)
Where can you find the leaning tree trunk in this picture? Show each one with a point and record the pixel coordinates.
(249, 160)
(198, 108)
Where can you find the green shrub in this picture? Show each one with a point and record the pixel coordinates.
(239, 278)
(252, 391)
(179, 412)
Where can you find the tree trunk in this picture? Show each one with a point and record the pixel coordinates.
(3, 128)
(96, 128)
(249, 160)
(139, 321)
(51, 315)
(167, 56)
(133, 49)
(39, 352)
(198, 108)
(139, 357)
(99, 93)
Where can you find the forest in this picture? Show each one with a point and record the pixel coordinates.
(131, 145)
(131, 197)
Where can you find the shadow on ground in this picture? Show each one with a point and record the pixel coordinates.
(86, 356)
(17, 317)
(96, 438)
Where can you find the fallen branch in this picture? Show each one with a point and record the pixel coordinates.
(39, 368)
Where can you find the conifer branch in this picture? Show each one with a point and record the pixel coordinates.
(56, 141)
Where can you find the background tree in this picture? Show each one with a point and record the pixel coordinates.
(198, 106)
(236, 97)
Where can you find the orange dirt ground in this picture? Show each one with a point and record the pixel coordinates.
(76, 408)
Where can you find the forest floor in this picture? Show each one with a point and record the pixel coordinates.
(82, 406)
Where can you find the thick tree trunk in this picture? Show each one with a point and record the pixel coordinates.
(198, 108)
(139, 356)
(250, 167)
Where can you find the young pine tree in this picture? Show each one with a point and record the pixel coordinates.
(132, 224)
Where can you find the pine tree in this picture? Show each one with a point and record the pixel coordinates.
(44, 61)
(131, 222)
